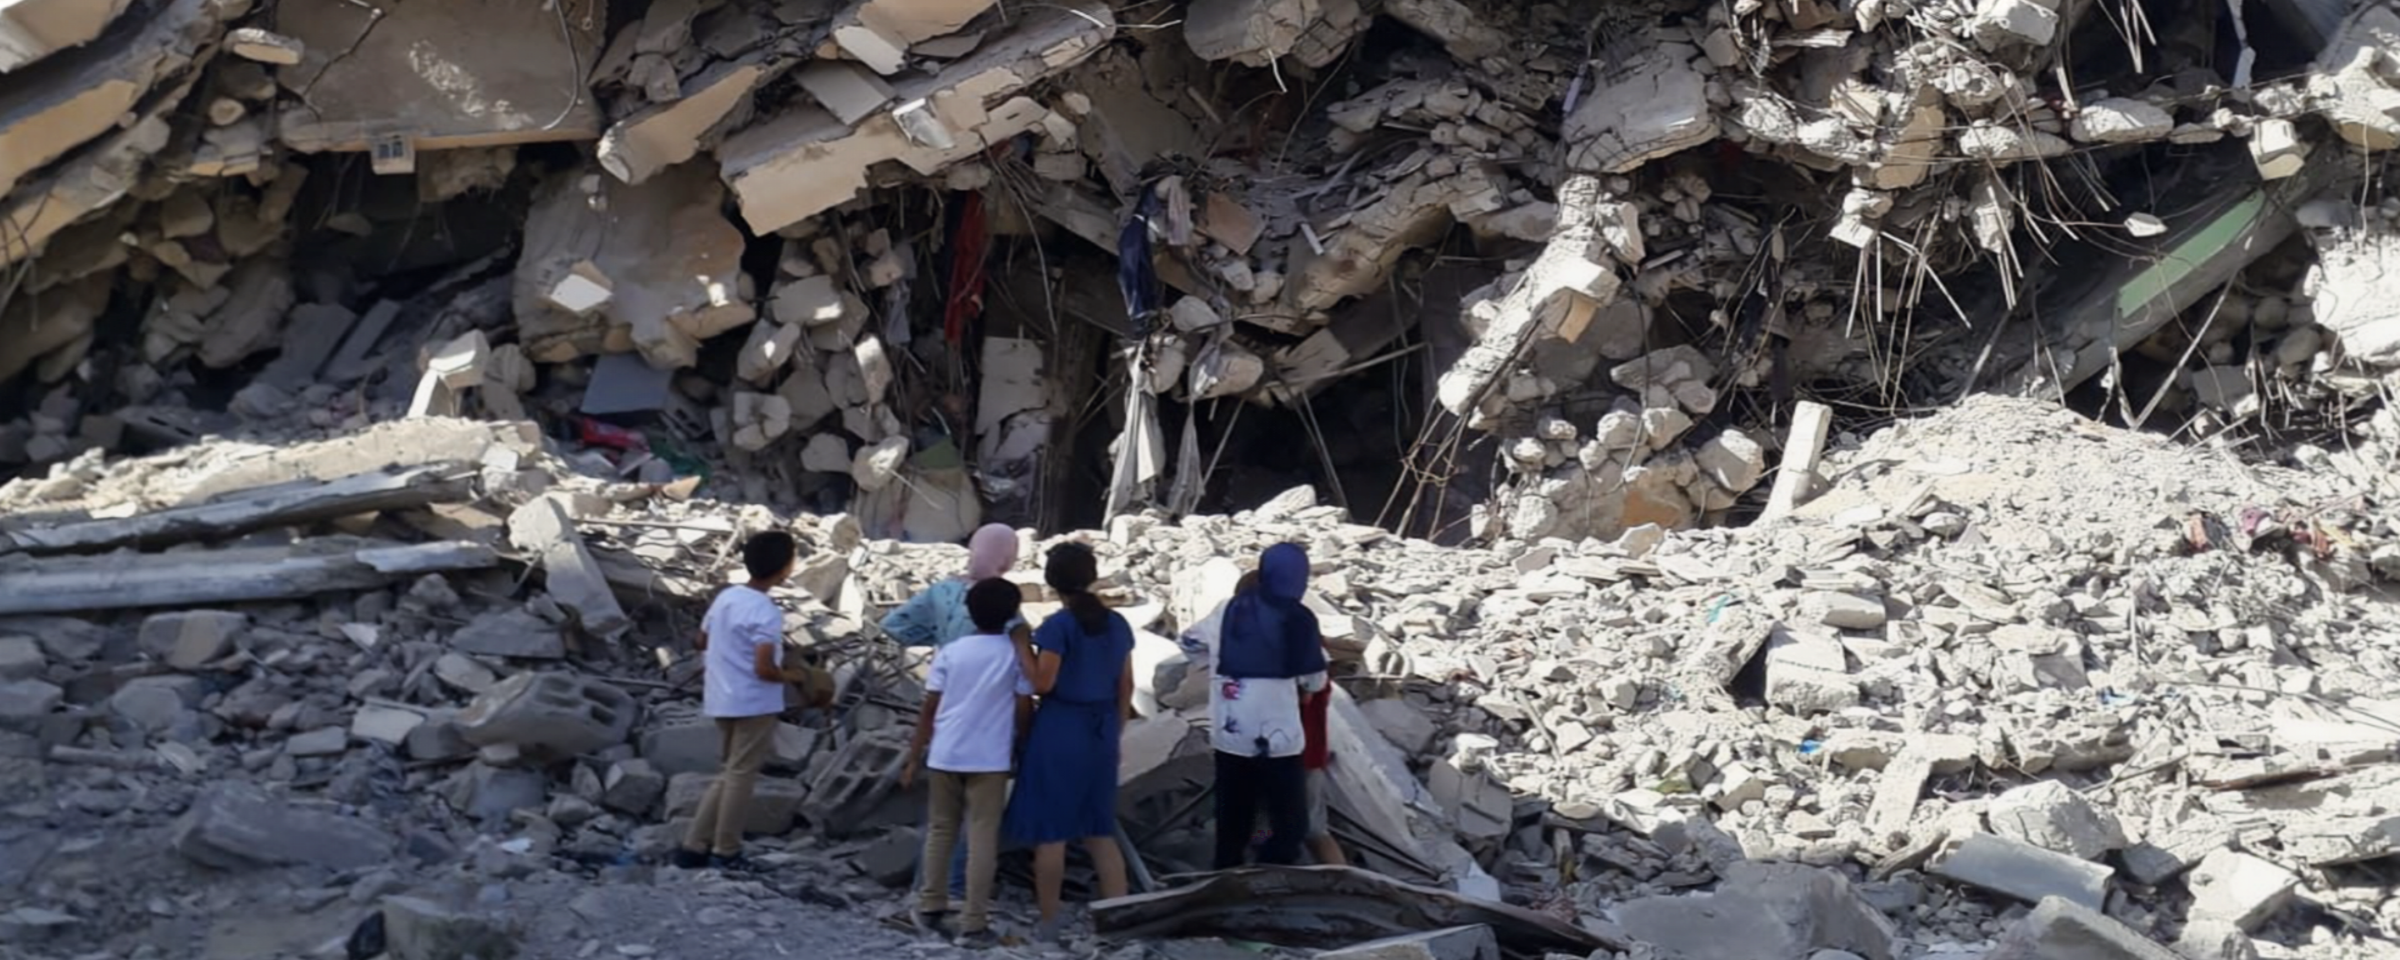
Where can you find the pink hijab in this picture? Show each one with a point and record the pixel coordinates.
(991, 552)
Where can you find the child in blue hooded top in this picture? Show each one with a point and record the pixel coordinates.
(1269, 654)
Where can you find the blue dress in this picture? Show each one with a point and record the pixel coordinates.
(1067, 784)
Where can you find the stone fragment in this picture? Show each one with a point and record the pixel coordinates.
(2333, 841)
(1250, 32)
(689, 747)
(610, 267)
(2055, 817)
(1404, 725)
(21, 658)
(2277, 149)
(662, 135)
(2059, 929)
(488, 794)
(1762, 910)
(2120, 120)
(510, 633)
(233, 826)
(2239, 888)
(2002, 23)
(415, 929)
(550, 713)
(1844, 611)
(1456, 943)
(261, 46)
(384, 724)
(157, 704)
(1732, 460)
(891, 859)
(632, 787)
(189, 640)
(542, 529)
(24, 703)
(2024, 871)
(321, 742)
(1808, 675)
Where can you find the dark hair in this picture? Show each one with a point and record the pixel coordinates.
(1071, 570)
(1247, 583)
(766, 554)
(992, 602)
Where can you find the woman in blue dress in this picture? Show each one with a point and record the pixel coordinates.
(1080, 662)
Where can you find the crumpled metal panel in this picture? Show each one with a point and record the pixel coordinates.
(1328, 907)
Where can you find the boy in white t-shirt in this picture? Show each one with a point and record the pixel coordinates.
(977, 706)
(745, 674)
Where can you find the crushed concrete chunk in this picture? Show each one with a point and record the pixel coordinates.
(665, 134)
(669, 260)
(805, 162)
(1456, 943)
(549, 713)
(1762, 910)
(2024, 871)
(2055, 817)
(2120, 120)
(1656, 106)
(2059, 929)
(543, 530)
(234, 826)
(33, 29)
(1251, 32)
(2239, 888)
(498, 82)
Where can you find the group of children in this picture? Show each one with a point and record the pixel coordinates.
(1018, 735)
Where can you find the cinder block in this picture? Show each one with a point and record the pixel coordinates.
(549, 714)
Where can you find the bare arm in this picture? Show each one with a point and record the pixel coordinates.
(700, 644)
(925, 714)
(1024, 719)
(1043, 674)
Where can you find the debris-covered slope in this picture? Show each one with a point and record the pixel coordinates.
(2005, 656)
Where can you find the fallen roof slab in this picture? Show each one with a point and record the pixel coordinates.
(64, 103)
(439, 74)
(807, 161)
(1329, 907)
(33, 29)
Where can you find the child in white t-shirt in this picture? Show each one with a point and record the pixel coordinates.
(977, 706)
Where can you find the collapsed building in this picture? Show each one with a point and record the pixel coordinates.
(1558, 270)
(332, 329)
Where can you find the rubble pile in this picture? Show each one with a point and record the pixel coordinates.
(2005, 659)
(833, 254)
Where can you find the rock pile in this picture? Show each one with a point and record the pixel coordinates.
(2007, 659)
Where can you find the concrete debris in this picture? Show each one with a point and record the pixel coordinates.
(549, 713)
(233, 826)
(2024, 871)
(2058, 929)
(418, 929)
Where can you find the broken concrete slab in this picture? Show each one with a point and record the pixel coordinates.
(1762, 910)
(550, 714)
(2346, 288)
(662, 135)
(33, 29)
(418, 929)
(1456, 943)
(295, 504)
(63, 102)
(878, 33)
(510, 633)
(543, 530)
(2024, 871)
(1251, 32)
(204, 577)
(1656, 106)
(233, 826)
(34, 327)
(437, 75)
(2052, 816)
(2059, 929)
(850, 92)
(1329, 908)
(190, 639)
(2239, 888)
(670, 260)
(774, 801)
(802, 163)
(1808, 674)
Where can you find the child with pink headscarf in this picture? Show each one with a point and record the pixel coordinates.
(938, 615)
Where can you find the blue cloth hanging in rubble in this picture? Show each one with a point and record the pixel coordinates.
(1136, 277)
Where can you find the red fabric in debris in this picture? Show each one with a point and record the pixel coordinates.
(966, 270)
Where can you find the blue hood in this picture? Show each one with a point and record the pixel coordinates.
(1267, 633)
(1283, 572)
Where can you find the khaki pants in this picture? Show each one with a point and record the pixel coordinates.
(982, 796)
(717, 825)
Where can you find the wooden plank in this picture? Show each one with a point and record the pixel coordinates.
(301, 502)
(206, 577)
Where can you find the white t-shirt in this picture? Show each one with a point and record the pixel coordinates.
(974, 727)
(740, 620)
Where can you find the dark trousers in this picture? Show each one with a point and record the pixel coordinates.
(1243, 785)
